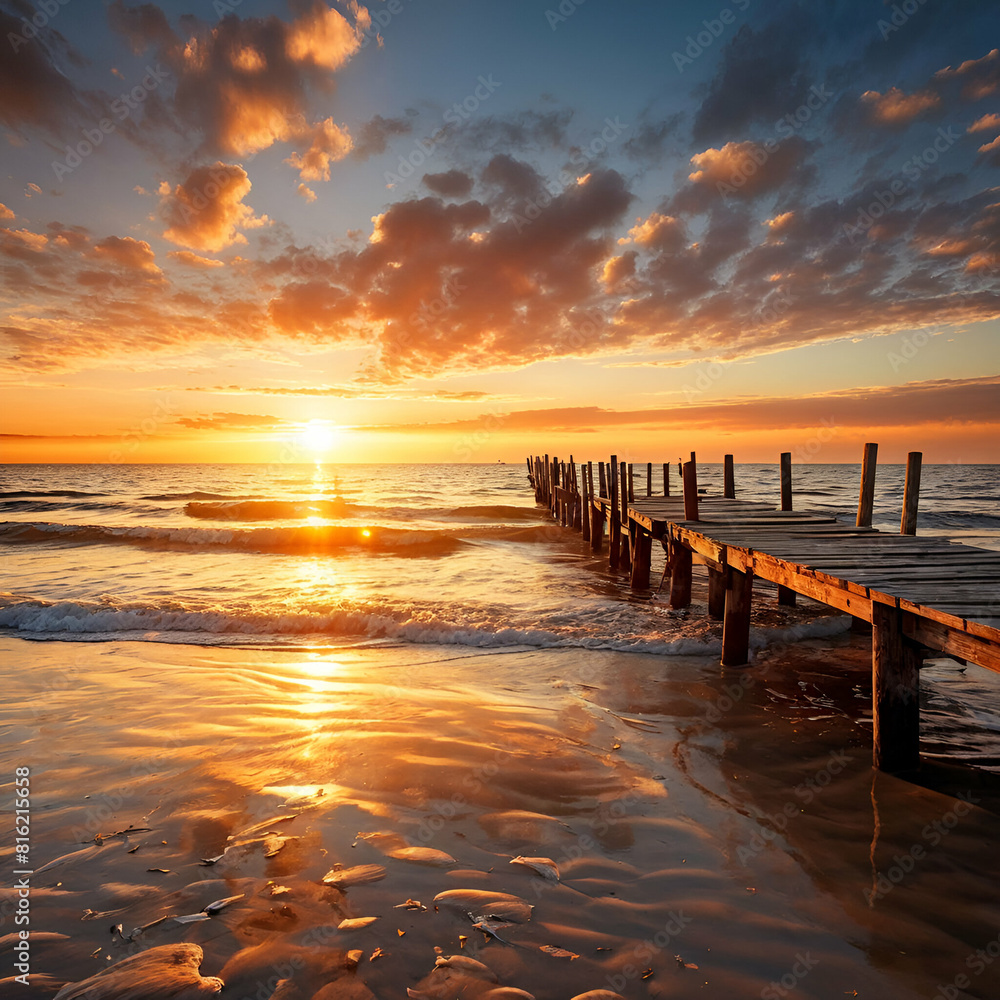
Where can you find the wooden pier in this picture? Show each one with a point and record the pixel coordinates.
(922, 596)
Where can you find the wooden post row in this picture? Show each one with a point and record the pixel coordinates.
(728, 479)
(866, 498)
(911, 494)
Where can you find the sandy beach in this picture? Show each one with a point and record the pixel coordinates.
(718, 835)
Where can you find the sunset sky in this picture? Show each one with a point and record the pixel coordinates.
(455, 230)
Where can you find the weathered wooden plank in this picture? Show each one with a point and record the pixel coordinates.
(948, 640)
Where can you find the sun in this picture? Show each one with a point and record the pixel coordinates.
(317, 437)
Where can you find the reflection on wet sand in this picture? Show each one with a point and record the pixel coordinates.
(356, 812)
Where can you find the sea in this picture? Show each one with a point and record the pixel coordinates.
(329, 554)
(377, 731)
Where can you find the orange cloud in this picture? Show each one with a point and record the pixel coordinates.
(981, 76)
(206, 211)
(243, 84)
(35, 241)
(896, 108)
(134, 255)
(193, 260)
(780, 223)
(6, 213)
(619, 269)
(223, 421)
(659, 232)
(746, 168)
(329, 142)
(985, 124)
(963, 401)
(324, 38)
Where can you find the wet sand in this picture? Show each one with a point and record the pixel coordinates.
(715, 835)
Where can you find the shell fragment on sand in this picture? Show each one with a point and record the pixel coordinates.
(551, 949)
(221, 904)
(191, 918)
(342, 878)
(410, 904)
(355, 923)
(422, 856)
(467, 965)
(490, 927)
(598, 995)
(545, 867)
(496, 905)
(168, 972)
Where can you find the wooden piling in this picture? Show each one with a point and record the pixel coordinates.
(642, 552)
(666, 479)
(736, 621)
(614, 525)
(577, 498)
(895, 692)
(728, 478)
(587, 494)
(866, 498)
(631, 482)
(786, 596)
(911, 494)
(649, 479)
(604, 484)
(680, 576)
(786, 480)
(596, 528)
(716, 593)
(690, 491)
(624, 488)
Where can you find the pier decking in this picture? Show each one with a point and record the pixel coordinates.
(921, 595)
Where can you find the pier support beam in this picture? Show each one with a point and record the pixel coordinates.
(680, 576)
(614, 524)
(736, 623)
(911, 494)
(642, 553)
(895, 692)
(596, 528)
(625, 485)
(716, 593)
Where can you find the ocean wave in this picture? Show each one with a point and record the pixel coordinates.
(12, 494)
(187, 622)
(173, 621)
(199, 495)
(311, 539)
(42, 506)
(262, 509)
(268, 510)
(497, 512)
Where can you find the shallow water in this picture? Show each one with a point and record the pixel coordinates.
(723, 822)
